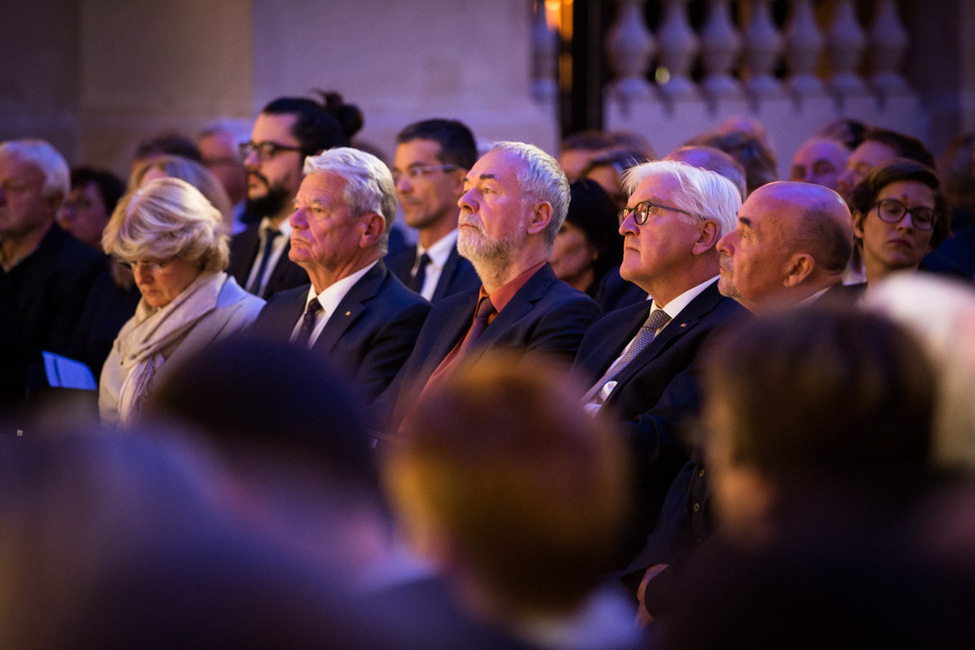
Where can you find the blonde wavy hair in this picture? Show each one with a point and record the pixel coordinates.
(165, 219)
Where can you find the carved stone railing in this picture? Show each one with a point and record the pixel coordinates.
(671, 80)
(759, 46)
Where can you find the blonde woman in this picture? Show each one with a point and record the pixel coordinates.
(176, 244)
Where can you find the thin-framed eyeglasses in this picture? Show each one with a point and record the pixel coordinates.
(417, 170)
(642, 211)
(893, 210)
(148, 265)
(264, 150)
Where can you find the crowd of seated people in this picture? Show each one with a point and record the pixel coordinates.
(605, 400)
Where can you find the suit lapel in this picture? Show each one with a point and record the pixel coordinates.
(520, 305)
(281, 268)
(243, 253)
(446, 275)
(294, 310)
(457, 324)
(351, 307)
(603, 356)
(685, 321)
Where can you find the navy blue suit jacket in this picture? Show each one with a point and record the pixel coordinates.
(368, 337)
(244, 247)
(458, 274)
(545, 317)
(657, 394)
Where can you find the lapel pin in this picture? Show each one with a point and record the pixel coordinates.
(348, 313)
(683, 324)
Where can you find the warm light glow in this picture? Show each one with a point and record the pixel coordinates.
(662, 75)
(553, 14)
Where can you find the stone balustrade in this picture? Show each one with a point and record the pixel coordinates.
(671, 80)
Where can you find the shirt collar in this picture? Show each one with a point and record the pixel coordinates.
(284, 227)
(676, 305)
(332, 296)
(503, 295)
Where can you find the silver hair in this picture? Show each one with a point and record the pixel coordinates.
(541, 180)
(40, 153)
(705, 194)
(369, 185)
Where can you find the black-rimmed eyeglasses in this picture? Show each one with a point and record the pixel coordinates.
(264, 150)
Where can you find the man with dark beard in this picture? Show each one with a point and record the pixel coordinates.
(287, 130)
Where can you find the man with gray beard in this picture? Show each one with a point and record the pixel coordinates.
(515, 200)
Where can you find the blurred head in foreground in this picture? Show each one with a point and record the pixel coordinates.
(503, 481)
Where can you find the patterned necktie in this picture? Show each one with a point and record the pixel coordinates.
(419, 274)
(658, 318)
(308, 322)
(270, 234)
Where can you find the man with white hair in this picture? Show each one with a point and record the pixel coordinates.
(515, 199)
(45, 273)
(643, 360)
(354, 314)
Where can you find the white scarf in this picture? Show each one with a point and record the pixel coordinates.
(143, 339)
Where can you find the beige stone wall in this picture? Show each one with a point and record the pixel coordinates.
(39, 76)
(95, 76)
(405, 61)
(149, 66)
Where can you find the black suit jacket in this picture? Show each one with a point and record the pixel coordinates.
(458, 274)
(657, 394)
(545, 317)
(368, 337)
(42, 300)
(244, 247)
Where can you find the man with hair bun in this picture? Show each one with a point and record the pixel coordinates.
(288, 130)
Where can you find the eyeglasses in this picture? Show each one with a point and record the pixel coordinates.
(892, 211)
(264, 150)
(642, 211)
(146, 265)
(416, 171)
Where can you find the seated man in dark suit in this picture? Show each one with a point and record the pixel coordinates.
(791, 247)
(615, 292)
(431, 160)
(644, 359)
(45, 273)
(515, 201)
(355, 313)
(286, 131)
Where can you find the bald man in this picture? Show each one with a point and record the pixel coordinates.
(820, 161)
(792, 244)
